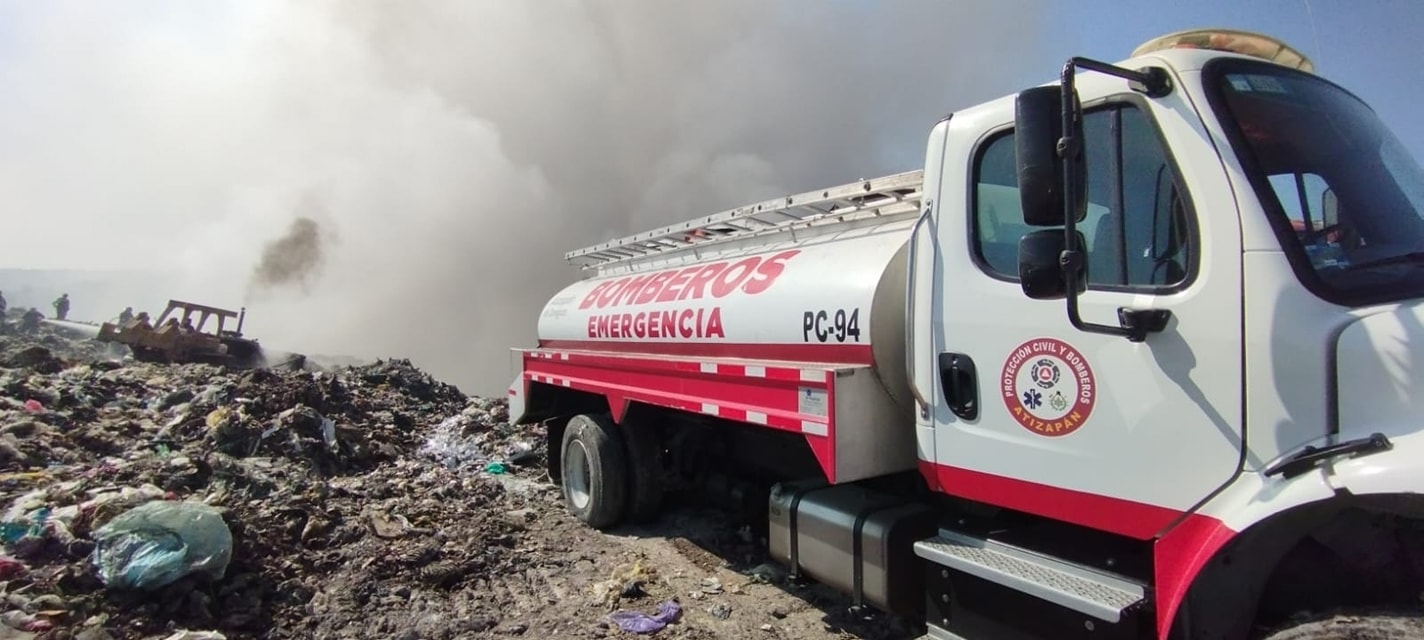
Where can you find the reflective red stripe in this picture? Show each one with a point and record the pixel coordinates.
(1104, 513)
(859, 354)
(693, 386)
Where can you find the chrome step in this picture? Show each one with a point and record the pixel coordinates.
(1074, 587)
(936, 633)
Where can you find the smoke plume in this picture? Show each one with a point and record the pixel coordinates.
(461, 148)
(292, 260)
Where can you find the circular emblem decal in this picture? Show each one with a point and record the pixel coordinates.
(1048, 387)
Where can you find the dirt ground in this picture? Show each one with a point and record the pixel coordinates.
(562, 579)
(362, 502)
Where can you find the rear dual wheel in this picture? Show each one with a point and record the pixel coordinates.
(645, 477)
(594, 470)
(610, 472)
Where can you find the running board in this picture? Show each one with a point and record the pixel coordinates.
(1087, 591)
(936, 633)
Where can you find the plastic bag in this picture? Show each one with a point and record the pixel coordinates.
(30, 526)
(639, 622)
(155, 544)
(449, 445)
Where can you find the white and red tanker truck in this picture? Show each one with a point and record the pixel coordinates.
(1135, 354)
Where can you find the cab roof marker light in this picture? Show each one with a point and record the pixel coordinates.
(1247, 43)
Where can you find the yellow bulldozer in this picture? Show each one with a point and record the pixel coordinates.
(175, 337)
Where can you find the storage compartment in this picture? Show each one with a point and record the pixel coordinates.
(852, 538)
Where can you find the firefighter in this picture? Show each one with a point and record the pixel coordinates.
(61, 307)
(30, 323)
(125, 316)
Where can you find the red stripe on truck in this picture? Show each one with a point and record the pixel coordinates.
(761, 394)
(1123, 517)
(858, 354)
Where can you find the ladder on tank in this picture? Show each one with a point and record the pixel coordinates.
(887, 196)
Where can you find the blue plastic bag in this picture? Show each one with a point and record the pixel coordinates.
(639, 622)
(155, 544)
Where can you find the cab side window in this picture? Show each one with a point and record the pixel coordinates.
(1136, 228)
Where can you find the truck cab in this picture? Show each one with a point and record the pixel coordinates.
(1206, 317)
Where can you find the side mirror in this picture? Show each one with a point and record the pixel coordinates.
(1038, 127)
(1040, 273)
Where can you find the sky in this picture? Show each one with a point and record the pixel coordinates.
(402, 179)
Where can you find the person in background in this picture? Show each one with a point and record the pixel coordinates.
(2, 305)
(61, 307)
(125, 316)
(30, 323)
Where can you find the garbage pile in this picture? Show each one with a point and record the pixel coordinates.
(189, 501)
(55, 340)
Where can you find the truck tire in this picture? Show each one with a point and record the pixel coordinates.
(1364, 626)
(645, 471)
(594, 470)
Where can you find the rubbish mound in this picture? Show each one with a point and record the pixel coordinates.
(191, 501)
(56, 342)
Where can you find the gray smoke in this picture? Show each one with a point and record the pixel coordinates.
(291, 260)
(460, 147)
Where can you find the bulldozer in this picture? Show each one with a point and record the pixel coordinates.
(175, 338)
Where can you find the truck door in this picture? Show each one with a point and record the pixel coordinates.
(1034, 415)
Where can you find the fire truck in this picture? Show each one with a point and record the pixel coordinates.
(1132, 355)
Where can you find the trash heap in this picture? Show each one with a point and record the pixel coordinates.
(192, 502)
(54, 340)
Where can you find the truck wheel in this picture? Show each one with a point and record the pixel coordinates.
(595, 471)
(1373, 626)
(645, 481)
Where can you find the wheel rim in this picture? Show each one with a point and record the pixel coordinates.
(576, 478)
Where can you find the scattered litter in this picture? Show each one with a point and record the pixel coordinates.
(10, 568)
(626, 581)
(471, 439)
(31, 525)
(196, 635)
(522, 453)
(768, 573)
(388, 525)
(639, 622)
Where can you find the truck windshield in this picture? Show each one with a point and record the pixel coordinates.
(1345, 197)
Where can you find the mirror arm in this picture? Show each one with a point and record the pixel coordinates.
(1133, 324)
(1150, 81)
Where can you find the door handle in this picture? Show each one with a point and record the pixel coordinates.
(960, 383)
